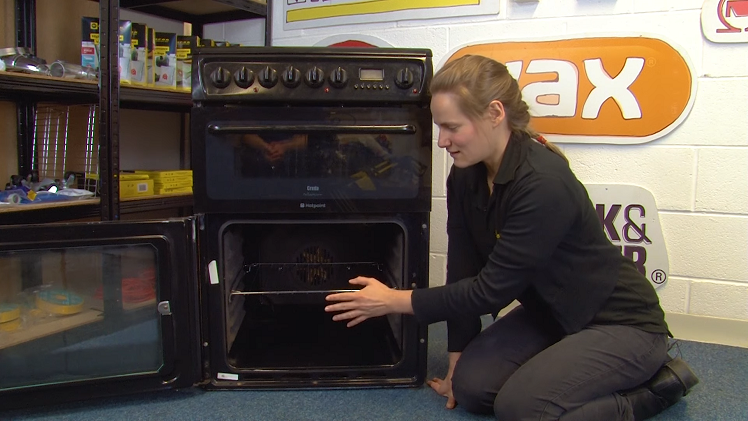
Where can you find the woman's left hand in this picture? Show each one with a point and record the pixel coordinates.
(374, 300)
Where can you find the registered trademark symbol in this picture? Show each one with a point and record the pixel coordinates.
(651, 62)
(659, 276)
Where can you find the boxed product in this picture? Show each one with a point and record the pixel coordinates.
(135, 188)
(185, 45)
(90, 46)
(170, 181)
(139, 56)
(165, 59)
(131, 184)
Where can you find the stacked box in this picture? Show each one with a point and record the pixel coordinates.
(165, 59)
(170, 182)
(139, 56)
(185, 45)
(135, 188)
(135, 185)
(90, 46)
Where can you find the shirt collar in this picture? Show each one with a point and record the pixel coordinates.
(514, 155)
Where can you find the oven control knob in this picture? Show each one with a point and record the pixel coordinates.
(291, 77)
(404, 78)
(244, 78)
(268, 77)
(339, 78)
(315, 77)
(220, 77)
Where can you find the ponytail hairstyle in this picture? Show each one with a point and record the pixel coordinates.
(478, 80)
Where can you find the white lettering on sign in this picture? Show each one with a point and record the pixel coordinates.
(559, 98)
(556, 98)
(616, 88)
(630, 219)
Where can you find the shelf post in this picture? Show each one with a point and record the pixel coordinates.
(25, 14)
(25, 133)
(109, 109)
(26, 24)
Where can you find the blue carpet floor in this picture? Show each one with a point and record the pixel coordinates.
(722, 395)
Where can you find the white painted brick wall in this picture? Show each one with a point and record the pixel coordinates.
(439, 225)
(698, 173)
(718, 116)
(722, 183)
(441, 164)
(719, 299)
(721, 60)
(674, 295)
(706, 246)
(665, 171)
(437, 269)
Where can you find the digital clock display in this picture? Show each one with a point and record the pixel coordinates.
(371, 74)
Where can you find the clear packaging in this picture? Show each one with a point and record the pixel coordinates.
(72, 71)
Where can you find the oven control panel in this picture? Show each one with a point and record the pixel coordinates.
(309, 75)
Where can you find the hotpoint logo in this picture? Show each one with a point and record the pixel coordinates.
(598, 90)
(303, 205)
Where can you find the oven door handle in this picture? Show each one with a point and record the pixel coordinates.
(320, 128)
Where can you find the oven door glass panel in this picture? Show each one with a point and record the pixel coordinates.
(318, 154)
(86, 304)
(279, 275)
(54, 328)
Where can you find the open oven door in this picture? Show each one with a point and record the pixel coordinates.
(97, 309)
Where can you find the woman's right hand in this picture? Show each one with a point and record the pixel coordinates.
(444, 386)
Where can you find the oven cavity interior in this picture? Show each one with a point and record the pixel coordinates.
(278, 274)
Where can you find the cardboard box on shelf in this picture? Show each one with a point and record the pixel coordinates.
(90, 46)
(175, 190)
(161, 174)
(185, 45)
(129, 176)
(169, 181)
(135, 188)
(165, 59)
(139, 57)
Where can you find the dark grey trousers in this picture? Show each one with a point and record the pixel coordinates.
(519, 371)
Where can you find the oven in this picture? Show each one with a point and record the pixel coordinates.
(311, 166)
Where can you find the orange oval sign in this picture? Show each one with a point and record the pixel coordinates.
(598, 90)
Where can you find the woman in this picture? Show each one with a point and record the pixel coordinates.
(589, 340)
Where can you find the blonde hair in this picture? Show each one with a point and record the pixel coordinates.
(478, 80)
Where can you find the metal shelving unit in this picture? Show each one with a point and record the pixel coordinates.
(27, 91)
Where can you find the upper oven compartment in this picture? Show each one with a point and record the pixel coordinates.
(311, 159)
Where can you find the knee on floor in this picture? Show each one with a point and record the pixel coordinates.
(513, 405)
(471, 393)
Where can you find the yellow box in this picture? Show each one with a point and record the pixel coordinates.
(181, 190)
(135, 188)
(166, 173)
(133, 176)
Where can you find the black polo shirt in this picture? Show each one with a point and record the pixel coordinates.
(537, 239)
